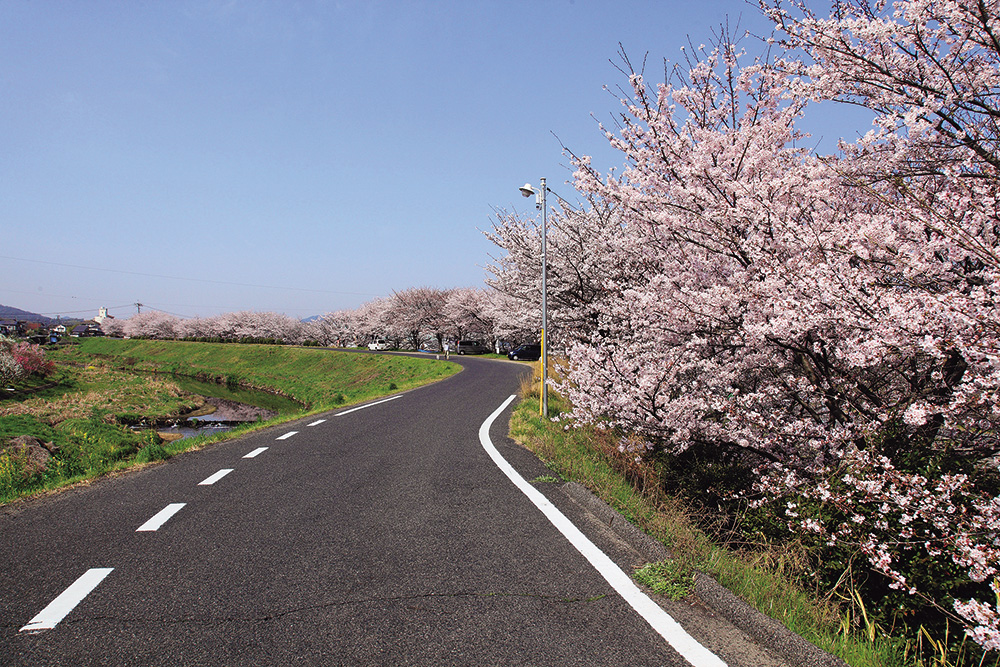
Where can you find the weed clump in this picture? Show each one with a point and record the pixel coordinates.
(672, 579)
(152, 452)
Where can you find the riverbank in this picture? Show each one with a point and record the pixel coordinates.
(316, 377)
(104, 386)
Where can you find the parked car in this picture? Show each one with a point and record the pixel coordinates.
(529, 352)
(379, 344)
(471, 347)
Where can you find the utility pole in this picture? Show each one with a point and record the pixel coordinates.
(527, 190)
(138, 307)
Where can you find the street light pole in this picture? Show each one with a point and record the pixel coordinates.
(527, 191)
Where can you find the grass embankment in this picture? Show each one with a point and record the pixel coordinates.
(318, 378)
(591, 457)
(84, 410)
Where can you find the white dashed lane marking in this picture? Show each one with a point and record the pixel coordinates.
(60, 607)
(216, 477)
(362, 407)
(57, 610)
(160, 518)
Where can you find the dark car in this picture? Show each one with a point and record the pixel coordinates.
(471, 347)
(529, 352)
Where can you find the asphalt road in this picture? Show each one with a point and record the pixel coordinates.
(378, 536)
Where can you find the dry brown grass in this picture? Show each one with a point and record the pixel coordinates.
(106, 389)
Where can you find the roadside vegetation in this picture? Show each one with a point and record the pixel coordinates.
(78, 413)
(802, 345)
(797, 353)
(318, 378)
(776, 574)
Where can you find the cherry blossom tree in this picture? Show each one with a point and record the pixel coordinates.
(513, 321)
(930, 73)
(462, 312)
(711, 228)
(113, 327)
(336, 328)
(10, 370)
(269, 326)
(580, 261)
(419, 313)
(831, 318)
(151, 324)
(373, 319)
(468, 313)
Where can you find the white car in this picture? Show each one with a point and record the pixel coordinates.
(379, 344)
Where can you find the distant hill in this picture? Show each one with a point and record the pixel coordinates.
(311, 319)
(11, 313)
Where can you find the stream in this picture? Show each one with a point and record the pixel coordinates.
(230, 408)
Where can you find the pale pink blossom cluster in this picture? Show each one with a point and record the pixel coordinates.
(891, 515)
(10, 370)
(983, 620)
(836, 317)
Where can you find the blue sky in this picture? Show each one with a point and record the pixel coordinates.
(203, 156)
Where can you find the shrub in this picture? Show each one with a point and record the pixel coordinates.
(31, 359)
(10, 370)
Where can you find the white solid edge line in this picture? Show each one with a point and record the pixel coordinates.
(56, 611)
(658, 619)
(255, 453)
(216, 477)
(317, 422)
(368, 405)
(286, 436)
(160, 518)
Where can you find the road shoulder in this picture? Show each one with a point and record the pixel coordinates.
(716, 617)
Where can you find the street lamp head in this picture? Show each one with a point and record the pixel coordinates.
(527, 190)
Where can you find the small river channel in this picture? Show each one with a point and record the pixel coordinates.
(225, 408)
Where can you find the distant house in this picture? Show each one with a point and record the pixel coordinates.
(21, 329)
(86, 330)
(59, 329)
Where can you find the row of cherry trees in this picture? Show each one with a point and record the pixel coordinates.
(416, 318)
(831, 319)
(246, 325)
(423, 318)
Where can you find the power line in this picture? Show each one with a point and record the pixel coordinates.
(195, 280)
(57, 313)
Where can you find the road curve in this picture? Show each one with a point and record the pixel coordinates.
(377, 536)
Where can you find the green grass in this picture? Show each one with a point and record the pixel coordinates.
(103, 383)
(87, 391)
(672, 579)
(279, 404)
(87, 447)
(589, 456)
(318, 378)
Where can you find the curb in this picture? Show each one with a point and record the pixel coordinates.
(762, 628)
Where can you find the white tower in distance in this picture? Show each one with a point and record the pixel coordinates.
(102, 314)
